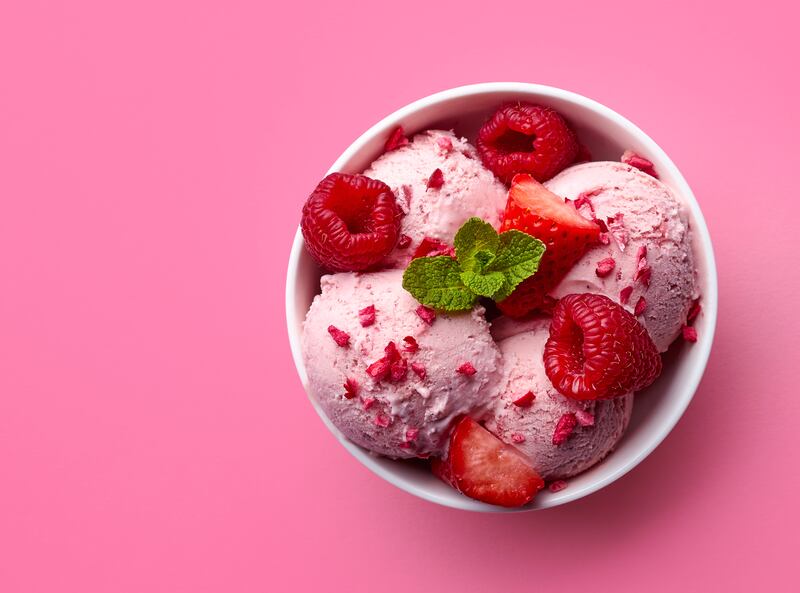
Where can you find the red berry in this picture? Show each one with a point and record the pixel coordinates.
(484, 468)
(567, 235)
(526, 138)
(350, 222)
(597, 349)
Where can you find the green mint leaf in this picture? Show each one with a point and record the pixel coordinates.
(517, 258)
(484, 284)
(476, 244)
(436, 282)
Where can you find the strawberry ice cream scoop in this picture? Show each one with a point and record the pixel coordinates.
(561, 437)
(646, 262)
(388, 372)
(439, 183)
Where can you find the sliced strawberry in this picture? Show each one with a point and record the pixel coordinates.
(535, 210)
(484, 468)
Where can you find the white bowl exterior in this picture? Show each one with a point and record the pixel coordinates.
(607, 134)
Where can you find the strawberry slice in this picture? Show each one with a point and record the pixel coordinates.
(484, 468)
(535, 210)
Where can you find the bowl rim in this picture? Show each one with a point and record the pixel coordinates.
(702, 245)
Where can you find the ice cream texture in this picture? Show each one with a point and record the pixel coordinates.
(410, 417)
(531, 427)
(648, 245)
(468, 189)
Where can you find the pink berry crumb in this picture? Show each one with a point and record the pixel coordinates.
(584, 418)
(382, 420)
(427, 314)
(641, 306)
(566, 424)
(411, 434)
(523, 401)
(340, 337)
(444, 143)
(368, 402)
(605, 267)
(634, 160)
(410, 344)
(350, 388)
(396, 139)
(366, 316)
(466, 369)
(419, 370)
(436, 180)
(625, 295)
(557, 486)
(518, 438)
(694, 311)
(689, 333)
(403, 241)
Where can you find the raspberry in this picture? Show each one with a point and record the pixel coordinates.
(436, 180)
(350, 222)
(598, 350)
(466, 369)
(524, 401)
(566, 425)
(341, 338)
(366, 316)
(526, 138)
(396, 139)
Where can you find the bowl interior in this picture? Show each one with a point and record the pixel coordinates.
(606, 134)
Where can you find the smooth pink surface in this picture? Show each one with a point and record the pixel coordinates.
(153, 434)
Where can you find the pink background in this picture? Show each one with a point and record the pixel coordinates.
(153, 433)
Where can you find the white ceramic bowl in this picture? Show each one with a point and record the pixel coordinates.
(606, 134)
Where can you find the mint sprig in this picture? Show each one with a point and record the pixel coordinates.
(487, 264)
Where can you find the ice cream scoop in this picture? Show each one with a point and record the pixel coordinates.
(561, 437)
(647, 262)
(467, 189)
(407, 408)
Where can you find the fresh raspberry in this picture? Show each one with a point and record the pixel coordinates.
(430, 247)
(350, 222)
(366, 316)
(483, 467)
(564, 429)
(598, 350)
(466, 369)
(526, 138)
(396, 139)
(605, 267)
(436, 180)
(567, 235)
(427, 314)
(341, 338)
(525, 400)
(634, 160)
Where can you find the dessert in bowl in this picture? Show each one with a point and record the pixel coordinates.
(505, 297)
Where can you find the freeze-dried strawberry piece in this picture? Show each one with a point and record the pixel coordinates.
(410, 345)
(584, 418)
(641, 306)
(341, 338)
(564, 428)
(403, 241)
(557, 486)
(634, 160)
(525, 400)
(625, 294)
(396, 139)
(430, 247)
(605, 267)
(419, 370)
(694, 311)
(427, 314)
(382, 420)
(518, 438)
(436, 180)
(366, 316)
(411, 434)
(466, 369)
(444, 143)
(350, 388)
(689, 333)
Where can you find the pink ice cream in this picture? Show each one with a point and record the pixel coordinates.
(468, 190)
(531, 429)
(412, 416)
(648, 232)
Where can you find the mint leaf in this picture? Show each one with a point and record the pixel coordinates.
(483, 284)
(476, 244)
(436, 282)
(517, 258)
